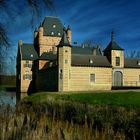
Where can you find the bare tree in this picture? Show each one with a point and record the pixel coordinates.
(132, 54)
(11, 12)
(88, 43)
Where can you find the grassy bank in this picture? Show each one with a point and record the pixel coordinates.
(116, 98)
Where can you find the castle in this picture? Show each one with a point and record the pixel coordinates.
(52, 63)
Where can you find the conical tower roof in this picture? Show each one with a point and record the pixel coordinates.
(64, 40)
(113, 45)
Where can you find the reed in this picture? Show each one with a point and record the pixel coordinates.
(58, 120)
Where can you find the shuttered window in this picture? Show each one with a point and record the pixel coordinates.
(27, 77)
(28, 65)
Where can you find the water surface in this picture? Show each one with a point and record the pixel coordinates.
(7, 97)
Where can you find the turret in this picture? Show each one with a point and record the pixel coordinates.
(114, 53)
(64, 63)
(69, 34)
(35, 33)
(41, 40)
(41, 30)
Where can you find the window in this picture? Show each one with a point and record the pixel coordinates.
(51, 64)
(52, 33)
(66, 61)
(27, 65)
(27, 61)
(31, 55)
(26, 71)
(92, 78)
(90, 61)
(69, 74)
(117, 61)
(27, 77)
(59, 34)
(61, 74)
(138, 62)
(54, 26)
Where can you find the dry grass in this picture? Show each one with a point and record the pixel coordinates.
(32, 126)
(58, 120)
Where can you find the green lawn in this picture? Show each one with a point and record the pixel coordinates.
(125, 98)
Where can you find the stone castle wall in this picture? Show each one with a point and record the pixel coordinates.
(80, 78)
(131, 77)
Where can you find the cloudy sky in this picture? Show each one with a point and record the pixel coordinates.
(89, 20)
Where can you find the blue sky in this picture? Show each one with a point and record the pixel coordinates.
(89, 20)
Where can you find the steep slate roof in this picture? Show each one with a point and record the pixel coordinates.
(84, 60)
(84, 50)
(48, 56)
(112, 45)
(28, 52)
(48, 24)
(131, 63)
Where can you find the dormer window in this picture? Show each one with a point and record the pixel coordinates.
(54, 26)
(138, 62)
(59, 34)
(90, 61)
(52, 33)
(51, 63)
(31, 55)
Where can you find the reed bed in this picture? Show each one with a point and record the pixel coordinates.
(63, 120)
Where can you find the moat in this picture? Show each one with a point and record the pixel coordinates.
(8, 97)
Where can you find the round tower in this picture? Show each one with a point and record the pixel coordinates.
(64, 63)
(41, 32)
(35, 33)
